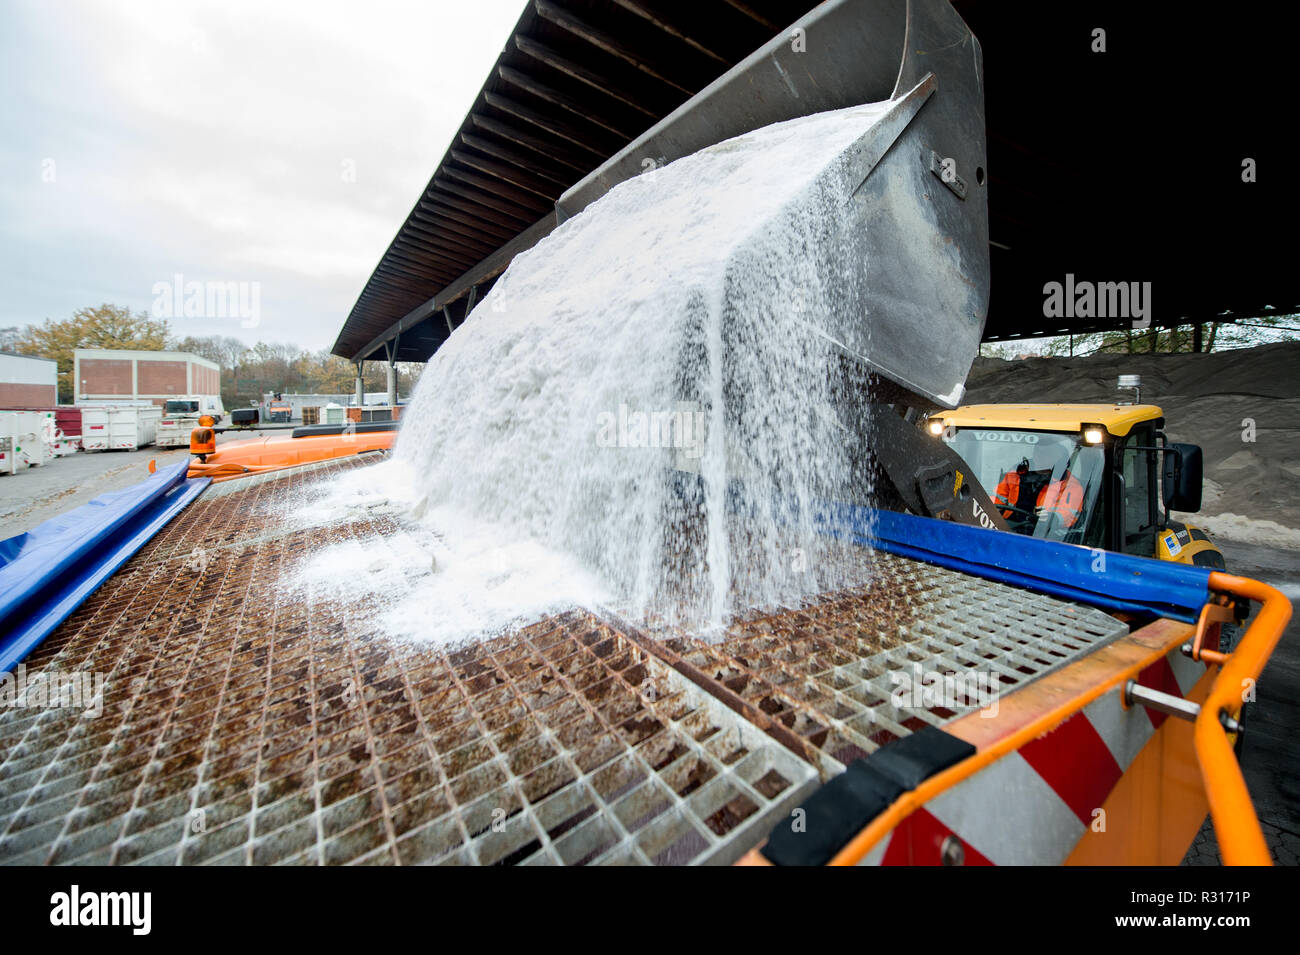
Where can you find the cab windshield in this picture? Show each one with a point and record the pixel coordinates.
(1045, 484)
(181, 407)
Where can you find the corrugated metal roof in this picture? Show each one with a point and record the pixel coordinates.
(1122, 166)
(576, 82)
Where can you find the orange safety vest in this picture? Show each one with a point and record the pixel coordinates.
(1008, 491)
(1063, 498)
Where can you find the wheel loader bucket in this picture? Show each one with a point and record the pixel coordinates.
(911, 299)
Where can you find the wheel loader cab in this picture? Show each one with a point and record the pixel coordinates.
(1138, 514)
(1097, 475)
(1048, 484)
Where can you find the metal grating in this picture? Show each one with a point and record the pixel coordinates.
(603, 755)
(240, 725)
(243, 724)
(826, 671)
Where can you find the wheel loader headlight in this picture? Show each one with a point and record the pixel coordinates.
(1094, 433)
(936, 426)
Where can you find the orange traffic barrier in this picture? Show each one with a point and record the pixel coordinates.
(1156, 634)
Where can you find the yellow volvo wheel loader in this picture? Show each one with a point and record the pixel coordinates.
(1100, 475)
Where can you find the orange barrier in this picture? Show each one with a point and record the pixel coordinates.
(1235, 824)
(1063, 694)
(1042, 722)
(259, 455)
(1157, 807)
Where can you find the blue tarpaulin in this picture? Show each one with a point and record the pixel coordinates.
(1121, 582)
(47, 572)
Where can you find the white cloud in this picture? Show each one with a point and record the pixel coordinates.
(212, 138)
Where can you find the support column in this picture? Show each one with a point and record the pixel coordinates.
(361, 383)
(390, 348)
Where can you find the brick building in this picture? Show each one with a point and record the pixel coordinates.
(101, 374)
(27, 382)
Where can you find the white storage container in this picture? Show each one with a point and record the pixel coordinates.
(333, 414)
(22, 440)
(118, 428)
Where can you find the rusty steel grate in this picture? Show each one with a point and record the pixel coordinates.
(242, 723)
(828, 672)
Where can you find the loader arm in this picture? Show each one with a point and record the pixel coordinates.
(926, 476)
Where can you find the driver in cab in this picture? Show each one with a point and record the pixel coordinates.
(1062, 496)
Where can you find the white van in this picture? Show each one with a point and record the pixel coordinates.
(180, 416)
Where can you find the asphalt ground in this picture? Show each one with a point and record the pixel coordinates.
(1270, 755)
(36, 494)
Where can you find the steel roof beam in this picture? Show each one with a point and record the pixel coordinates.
(753, 14)
(478, 275)
(602, 40)
(424, 258)
(530, 164)
(408, 266)
(653, 16)
(446, 233)
(434, 204)
(556, 152)
(488, 201)
(422, 243)
(439, 223)
(526, 199)
(597, 81)
(555, 127)
(510, 223)
(548, 190)
(532, 85)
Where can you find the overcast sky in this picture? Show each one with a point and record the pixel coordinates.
(279, 142)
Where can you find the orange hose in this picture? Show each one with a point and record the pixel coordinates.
(256, 455)
(224, 472)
